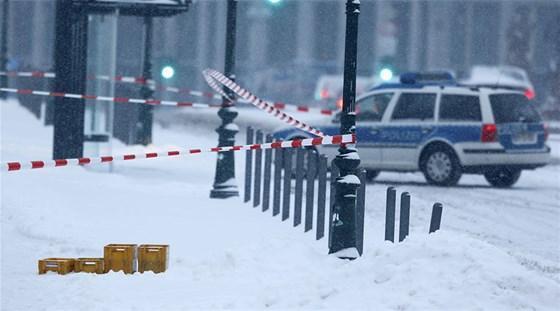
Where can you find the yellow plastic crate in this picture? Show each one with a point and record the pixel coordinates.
(153, 257)
(58, 265)
(90, 265)
(120, 257)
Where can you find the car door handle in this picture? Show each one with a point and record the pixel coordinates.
(374, 130)
(427, 129)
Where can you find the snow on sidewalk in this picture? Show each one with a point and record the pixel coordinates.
(224, 254)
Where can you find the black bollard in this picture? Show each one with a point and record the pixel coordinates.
(436, 217)
(405, 216)
(390, 214)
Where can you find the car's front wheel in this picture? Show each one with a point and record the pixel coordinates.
(502, 177)
(441, 166)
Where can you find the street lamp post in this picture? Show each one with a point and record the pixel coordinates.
(224, 181)
(70, 64)
(4, 46)
(343, 222)
(146, 112)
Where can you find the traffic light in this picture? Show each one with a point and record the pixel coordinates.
(386, 74)
(274, 2)
(167, 72)
(386, 69)
(166, 69)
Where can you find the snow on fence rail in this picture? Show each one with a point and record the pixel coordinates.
(296, 143)
(164, 88)
(269, 185)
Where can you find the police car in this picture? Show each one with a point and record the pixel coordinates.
(444, 130)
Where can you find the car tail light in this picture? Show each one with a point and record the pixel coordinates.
(546, 132)
(530, 94)
(324, 94)
(489, 133)
(339, 104)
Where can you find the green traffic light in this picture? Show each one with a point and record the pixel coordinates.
(167, 72)
(386, 74)
(274, 1)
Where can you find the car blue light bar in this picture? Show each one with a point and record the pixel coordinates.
(436, 77)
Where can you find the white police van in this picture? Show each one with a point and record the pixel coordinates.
(444, 130)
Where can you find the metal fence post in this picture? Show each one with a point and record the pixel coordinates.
(334, 175)
(435, 221)
(310, 189)
(258, 170)
(248, 165)
(288, 154)
(404, 216)
(321, 197)
(390, 214)
(267, 174)
(278, 159)
(360, 212)
(300, 152)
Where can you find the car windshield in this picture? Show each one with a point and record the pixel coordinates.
(509, 108)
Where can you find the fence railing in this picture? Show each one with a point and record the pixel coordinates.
(295, 184)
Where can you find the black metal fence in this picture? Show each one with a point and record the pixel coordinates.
(295, 183)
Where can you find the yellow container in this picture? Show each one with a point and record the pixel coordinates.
(90, 265)
(153, 257)
(120, 257)
(58, 265)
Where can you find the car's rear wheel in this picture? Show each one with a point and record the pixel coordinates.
(441, 166)
(502, 177)
(371, 175)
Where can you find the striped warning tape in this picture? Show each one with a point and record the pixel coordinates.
(283, 106)
(218, 77)
(125, 79)
(158, 87)
(154, 102)
(296, 143)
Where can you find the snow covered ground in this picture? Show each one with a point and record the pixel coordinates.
(499, 249)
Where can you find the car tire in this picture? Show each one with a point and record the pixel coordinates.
(502, 177)
(371, 175)
(441, 166)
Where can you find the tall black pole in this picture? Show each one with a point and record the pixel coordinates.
(344, 227)
(224, 181)
(145, 119)
(70, 68)
(4, 46)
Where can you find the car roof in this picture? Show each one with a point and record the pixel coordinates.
(448, 89)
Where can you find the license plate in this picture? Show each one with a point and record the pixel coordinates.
(524, 138)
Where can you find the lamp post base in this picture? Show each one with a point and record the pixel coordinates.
(223, 193)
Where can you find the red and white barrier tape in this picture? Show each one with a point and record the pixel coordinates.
(296, 143)
(259, 103)
(283, 106)
(154, 102)
(142, 80)
(125, 79)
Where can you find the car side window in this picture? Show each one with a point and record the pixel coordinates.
(372, 108)
(415, 106)
(459, 108)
